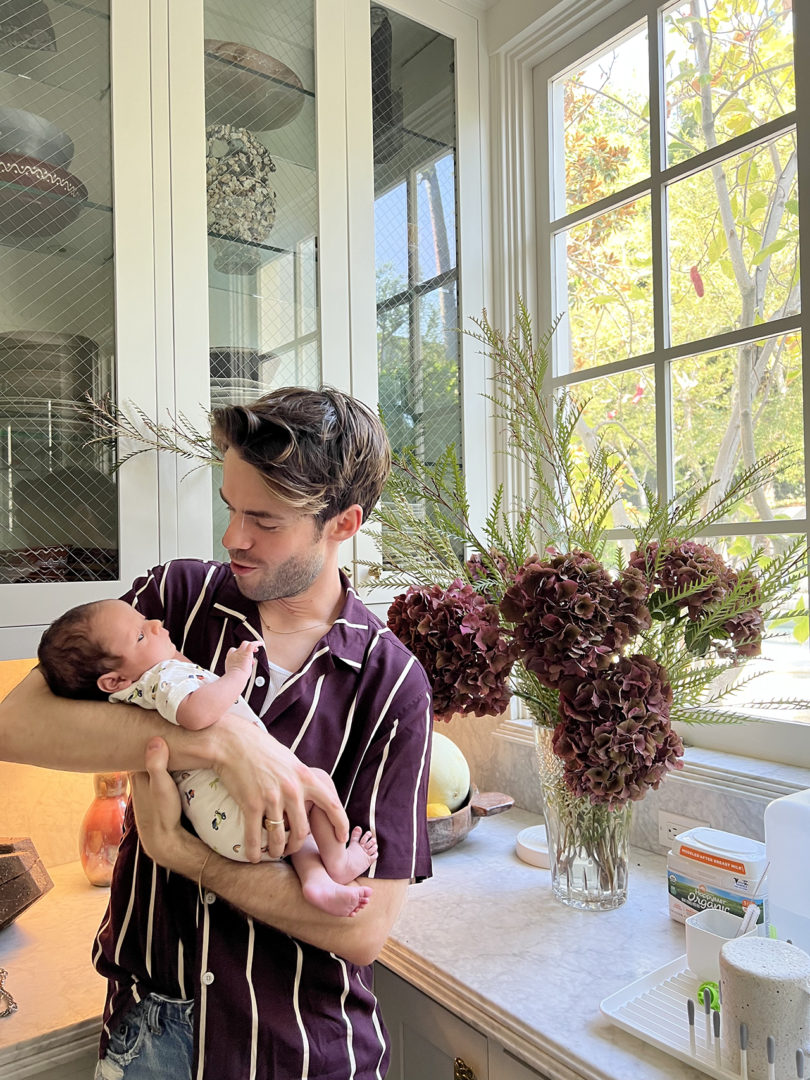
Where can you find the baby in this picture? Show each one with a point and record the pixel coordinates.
(108, 648)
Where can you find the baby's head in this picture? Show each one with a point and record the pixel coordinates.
(95, 649)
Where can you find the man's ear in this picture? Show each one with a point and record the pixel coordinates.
(111, 681)
(345, 524)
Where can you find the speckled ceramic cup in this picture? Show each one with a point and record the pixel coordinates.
(765, 984)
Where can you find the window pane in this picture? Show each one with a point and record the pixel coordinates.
(620, 411)
(783, 671)
(734, 242)
(604, 119)
(737, 405)
(610, 295)
(413, 104)
(58, 492)
(729, 69)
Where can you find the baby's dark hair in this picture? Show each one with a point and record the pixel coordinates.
(71, 658)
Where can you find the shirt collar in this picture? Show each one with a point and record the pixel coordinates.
(347, 638)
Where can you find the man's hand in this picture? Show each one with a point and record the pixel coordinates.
(268, 781)
(156, 802)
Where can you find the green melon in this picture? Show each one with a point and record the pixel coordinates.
(449, 773)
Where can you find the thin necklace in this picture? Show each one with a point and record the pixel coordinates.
(284, 633)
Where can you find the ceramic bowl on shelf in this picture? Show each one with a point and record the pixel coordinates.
(248, 88)
(36, 199)
(33, 136)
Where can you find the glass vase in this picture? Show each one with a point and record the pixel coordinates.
(102, 827)
(587, 843)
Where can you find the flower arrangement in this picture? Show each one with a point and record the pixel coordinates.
(605, 653)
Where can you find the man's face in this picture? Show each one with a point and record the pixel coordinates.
(275, 552)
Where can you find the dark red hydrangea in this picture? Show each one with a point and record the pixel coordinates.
(685, 565)
(480, 573)
(688, 564)
(457, 637)
(570, 617)
(614, 736)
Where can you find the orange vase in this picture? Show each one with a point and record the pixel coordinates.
(102, 827)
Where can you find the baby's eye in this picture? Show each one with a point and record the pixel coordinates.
(141, 636)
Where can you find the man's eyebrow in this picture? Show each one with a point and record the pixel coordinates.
(268, 515)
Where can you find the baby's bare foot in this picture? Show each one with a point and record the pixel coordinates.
(361, 852)
(341, 900)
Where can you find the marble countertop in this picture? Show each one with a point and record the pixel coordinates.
(485, 939)
(59, 996)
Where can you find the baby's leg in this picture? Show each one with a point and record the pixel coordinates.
(343, 862)
(319, 888)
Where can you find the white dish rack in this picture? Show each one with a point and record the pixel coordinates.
(653, 1008)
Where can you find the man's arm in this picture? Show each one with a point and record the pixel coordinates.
(270, 892)
(265, 777)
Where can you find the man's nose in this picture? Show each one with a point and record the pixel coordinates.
(236, 537)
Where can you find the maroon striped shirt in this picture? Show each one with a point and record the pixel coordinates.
(266, 1005)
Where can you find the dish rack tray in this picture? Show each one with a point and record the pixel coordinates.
(653, 1008)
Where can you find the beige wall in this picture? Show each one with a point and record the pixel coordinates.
(46, 805)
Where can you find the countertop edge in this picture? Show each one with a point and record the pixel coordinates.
(34, 1055)
(472, 1008)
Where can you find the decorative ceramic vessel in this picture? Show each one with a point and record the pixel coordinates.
(102, 827)
(37, 199)
(588, 844)
(246, 87)
(23, 132)
(241, 197)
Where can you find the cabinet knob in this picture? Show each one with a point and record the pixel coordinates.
(462, 1071)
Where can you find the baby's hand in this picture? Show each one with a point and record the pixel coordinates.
(241, 659)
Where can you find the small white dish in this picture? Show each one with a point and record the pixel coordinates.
(531, 846)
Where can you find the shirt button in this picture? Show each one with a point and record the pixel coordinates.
(210, 897)
(208, 978)
(259, 680)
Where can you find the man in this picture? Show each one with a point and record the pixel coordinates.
(219, 969)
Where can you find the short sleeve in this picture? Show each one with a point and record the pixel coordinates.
(164, 687)
(390, 790)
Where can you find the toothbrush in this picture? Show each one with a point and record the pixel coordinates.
(770, 1049)
(743, 1051)
(799, 1065)
(716, 1026)
(707, 1012)
(690, 1012)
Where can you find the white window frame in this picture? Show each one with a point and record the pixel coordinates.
(522, 239)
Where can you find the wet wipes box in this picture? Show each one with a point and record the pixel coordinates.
(709, 868)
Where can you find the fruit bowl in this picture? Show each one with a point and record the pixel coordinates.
(446, 832)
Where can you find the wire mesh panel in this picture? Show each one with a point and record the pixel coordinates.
(418, 348)
(58, 497)
(262, 200)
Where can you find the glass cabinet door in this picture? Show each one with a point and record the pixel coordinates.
(58, 497)
(262, 197)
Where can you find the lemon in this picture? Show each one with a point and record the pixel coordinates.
(438, 809)
(449, 773)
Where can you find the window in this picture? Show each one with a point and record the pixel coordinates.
(669, 226)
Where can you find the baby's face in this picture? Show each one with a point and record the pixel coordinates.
(140, 643)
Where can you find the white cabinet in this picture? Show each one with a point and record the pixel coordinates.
(136, 271)
(428, 1040)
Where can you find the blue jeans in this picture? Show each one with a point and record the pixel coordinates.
(154, 1040)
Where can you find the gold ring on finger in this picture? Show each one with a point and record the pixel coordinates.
(268, 822)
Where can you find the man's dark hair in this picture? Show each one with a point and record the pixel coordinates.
(70, 655)
(319, 451)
